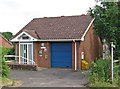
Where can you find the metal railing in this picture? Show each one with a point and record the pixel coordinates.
(15, 61)
(23, 58)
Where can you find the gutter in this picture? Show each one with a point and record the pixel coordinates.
(75, 55)
(51, 40)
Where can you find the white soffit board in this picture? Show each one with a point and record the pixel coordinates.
(16, 39)
(82, 38)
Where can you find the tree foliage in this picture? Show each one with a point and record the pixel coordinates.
(7, 35)
(107, 22)
(3, 51)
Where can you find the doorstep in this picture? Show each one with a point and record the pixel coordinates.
(41, 68)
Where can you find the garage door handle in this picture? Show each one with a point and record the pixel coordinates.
(67, 66)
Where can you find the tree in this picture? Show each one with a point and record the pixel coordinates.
(7, 35)
(106, 23)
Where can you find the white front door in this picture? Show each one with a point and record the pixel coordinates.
(26, 53)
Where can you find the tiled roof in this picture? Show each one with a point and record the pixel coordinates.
(32, 33)
(65, 27)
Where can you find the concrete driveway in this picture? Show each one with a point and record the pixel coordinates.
(50, 78)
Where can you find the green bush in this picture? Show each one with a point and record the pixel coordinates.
(3, 51)
(115, 70)
(101, 72)
(11, 52)
(4, 69)
(7, 51)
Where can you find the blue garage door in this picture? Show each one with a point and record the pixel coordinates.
(61, 55)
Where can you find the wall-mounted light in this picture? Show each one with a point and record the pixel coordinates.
(82, 55)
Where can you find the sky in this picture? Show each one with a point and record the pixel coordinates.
(15, 14)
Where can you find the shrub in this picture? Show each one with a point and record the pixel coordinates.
(11, 52)
(3, 51)
(7, 51)
(4, 69)
(115, 70)
(101, 71)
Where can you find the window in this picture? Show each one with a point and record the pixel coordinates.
(25, 37)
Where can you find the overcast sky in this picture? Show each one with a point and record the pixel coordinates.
(15, 14)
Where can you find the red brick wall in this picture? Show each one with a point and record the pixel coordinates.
(35, 52)
(41, 60)
(91, 46)
(5, 43)
(17, 51)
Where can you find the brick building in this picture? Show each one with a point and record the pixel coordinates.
(5, 43)
(58, 42)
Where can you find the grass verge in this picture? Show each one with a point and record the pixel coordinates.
(5, 81)
(104, 84)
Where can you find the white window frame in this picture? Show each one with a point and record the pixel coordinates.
(27, 51)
